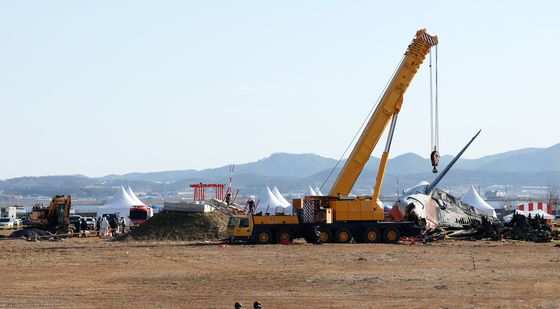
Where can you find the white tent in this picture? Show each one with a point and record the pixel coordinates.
(533, 213)
(318, 191)
(281, 198)
(268, 203)
(472, 198)
(120, 205)
(136, 200)
(311, 192)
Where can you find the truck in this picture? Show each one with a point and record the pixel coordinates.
(139, 214)
(8, 212)
(338, 216)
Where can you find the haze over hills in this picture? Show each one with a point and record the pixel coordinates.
(294, 172)
(277, 165)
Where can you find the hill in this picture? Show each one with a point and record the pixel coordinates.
(294, 172)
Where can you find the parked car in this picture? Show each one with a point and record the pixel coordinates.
(74, 219)
(90, 223)
(9, 223)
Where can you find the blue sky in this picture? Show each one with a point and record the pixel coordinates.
(99, 87)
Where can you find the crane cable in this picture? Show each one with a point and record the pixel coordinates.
(363, 123)
(434, 114)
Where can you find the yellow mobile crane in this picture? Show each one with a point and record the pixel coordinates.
(339, 216)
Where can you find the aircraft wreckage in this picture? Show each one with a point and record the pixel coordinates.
(440, 213)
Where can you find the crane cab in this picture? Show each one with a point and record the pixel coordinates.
(263, 229)
(240, 227)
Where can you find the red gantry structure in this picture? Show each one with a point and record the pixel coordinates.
(199, 190)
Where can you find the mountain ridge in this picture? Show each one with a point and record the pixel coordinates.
(530, 166)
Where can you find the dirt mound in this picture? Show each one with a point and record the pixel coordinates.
(181, 226)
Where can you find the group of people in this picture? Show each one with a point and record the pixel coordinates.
(110, 226)
(81, 227)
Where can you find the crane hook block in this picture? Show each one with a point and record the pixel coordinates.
(434, 156)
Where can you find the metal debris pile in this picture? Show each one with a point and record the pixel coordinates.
(35, 234)
(528, 229)
(231, 209)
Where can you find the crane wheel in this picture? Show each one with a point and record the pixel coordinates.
(326, 236)
(284, 236)
(372, 235)
(343, 236)
(264, 237)
(391, 236)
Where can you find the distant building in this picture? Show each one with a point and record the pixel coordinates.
(494, 194)
(534, 190)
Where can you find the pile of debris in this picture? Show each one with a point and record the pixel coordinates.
(485, 229)
(529, 229)
(34, 234)
(231, 209)
(180, 226)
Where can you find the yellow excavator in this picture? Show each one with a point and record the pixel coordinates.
(338, 216)
(54, 218)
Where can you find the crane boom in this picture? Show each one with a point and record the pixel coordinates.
(388, 108)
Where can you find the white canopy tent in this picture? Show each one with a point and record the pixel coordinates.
(280, 197)
(136, 200)
(119, 205)
(311, 192)
(318, 191)
(473, 198)
(533, 213)
(268, 203)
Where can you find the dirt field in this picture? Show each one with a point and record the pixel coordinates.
(454, 274)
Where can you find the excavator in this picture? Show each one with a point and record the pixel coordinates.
(338, 216)
(54, 218)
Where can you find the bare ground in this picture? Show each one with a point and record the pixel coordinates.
(454, 274)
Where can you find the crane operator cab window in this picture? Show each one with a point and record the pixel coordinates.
(244, 223)
(60, 213)
(232, 222)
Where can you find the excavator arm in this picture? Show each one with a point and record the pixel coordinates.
(388, 108)
(59, 210)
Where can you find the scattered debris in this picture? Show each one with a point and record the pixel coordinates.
(528, 229)
(32, 234)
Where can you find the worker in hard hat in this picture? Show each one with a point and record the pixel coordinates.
(228, 198)
(251, 205)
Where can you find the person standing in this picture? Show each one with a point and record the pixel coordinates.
(98, 225)
(251, 205)
(104, 227)
(122, 224)
(114, 226)
(228, 198)
(83, 225)
(78, 225)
